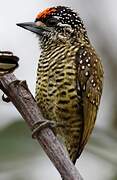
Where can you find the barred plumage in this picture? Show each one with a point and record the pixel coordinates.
(69, 76)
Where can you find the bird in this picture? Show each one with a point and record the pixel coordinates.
(8, 62)
(69, 76)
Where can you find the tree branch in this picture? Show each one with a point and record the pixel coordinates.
(23, 100)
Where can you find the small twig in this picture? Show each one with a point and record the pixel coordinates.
(23, 100)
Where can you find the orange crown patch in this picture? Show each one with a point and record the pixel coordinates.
(46, 12)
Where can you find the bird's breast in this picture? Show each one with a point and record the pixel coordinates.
(56, 91)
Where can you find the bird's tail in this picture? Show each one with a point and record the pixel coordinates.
(8, 62)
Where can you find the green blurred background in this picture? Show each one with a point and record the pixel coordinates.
(22, 158)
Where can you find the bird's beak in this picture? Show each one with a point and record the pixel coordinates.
(36, 27)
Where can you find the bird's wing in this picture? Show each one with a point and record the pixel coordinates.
(90, 78)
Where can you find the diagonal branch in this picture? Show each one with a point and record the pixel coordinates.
(23, 100)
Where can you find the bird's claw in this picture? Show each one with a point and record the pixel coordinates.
(15, 83)
(5, 99)
(38, 126)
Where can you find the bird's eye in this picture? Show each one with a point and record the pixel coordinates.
(52, 21)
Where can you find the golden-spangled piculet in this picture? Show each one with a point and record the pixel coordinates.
(8, 62)
(69, 76)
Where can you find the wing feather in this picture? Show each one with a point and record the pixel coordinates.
(90, 76)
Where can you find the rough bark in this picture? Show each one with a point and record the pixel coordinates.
(23, 100)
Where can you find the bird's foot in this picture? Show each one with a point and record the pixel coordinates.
(15, 83)
(40, 125)
(6, 98)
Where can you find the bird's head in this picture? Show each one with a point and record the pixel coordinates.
(57, 23)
